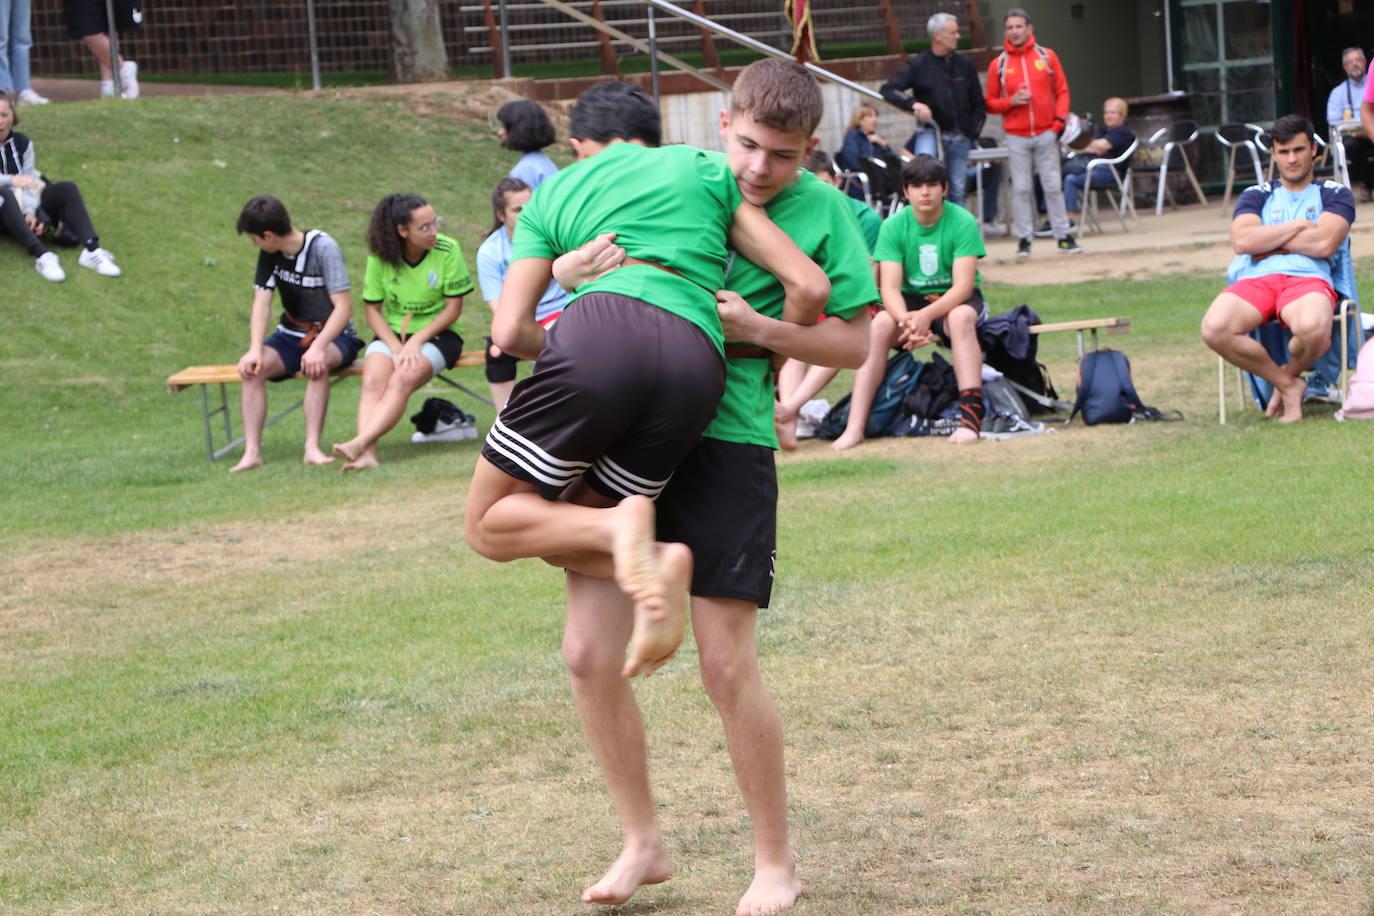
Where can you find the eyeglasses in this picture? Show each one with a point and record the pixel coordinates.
(427, 228)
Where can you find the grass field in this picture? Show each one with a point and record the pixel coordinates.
(1106, 670)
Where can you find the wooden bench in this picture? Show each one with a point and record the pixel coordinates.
(203, 377)
(1110, 325)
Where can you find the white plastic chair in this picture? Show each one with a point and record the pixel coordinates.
(1168, 139)
(1123, 186)
(1236, 139)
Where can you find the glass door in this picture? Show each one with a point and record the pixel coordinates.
(1226, 58)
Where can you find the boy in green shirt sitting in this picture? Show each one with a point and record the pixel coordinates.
(927, 257)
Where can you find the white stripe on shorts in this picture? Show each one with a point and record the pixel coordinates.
(533, 459)
(625, 483)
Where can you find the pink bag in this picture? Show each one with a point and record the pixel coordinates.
(1359, 404)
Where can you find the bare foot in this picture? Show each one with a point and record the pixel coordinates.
(775, 889)
(315, 456)
(1292, 400)
(785, 422)
(658, 633)
(848, 440)
(349, 450)
(632, 869)
(632, 552)
(1275, 403)
(364, 462)
(247, 463)
(963, 436)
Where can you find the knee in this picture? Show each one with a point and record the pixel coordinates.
(1215, 328)
(961, 320)
(881, 328)
(726, 676)
(65, 187)
(588, 657)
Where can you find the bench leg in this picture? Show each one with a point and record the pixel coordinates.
(1221, 390)
(463, 388)
(205, 415)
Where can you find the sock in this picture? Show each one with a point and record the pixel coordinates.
(92, 244)
(971, 408)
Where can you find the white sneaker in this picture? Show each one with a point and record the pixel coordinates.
(128, 80)
(449, 432)
(29, 97)
(51, 268)
(100, 261)
(107, 89)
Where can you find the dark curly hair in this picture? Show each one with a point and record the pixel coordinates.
(504, 188)
(391, 211)
(528, 127)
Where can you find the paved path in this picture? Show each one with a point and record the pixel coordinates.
(69, 90)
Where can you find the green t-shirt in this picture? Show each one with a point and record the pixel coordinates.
(418, 290)
(816, 217)
(869, 221)
(927, 255)
(670, 206)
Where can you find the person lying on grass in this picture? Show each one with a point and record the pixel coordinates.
(314, 335)
(1283, 236)
(413, 292)
(927, 257)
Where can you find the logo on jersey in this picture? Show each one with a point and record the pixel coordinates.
(1039, 65)
(929, 259)
(1311, 213)
(433, 280)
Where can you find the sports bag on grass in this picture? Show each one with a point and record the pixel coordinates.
(1106, 393)
(903, 371)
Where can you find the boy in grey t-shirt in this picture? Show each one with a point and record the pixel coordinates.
(314, 335)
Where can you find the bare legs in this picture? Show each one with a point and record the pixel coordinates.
(882, 337)
(99, 46)
(253, 400)
(797, 384)
(1226, 328)
(386, 390)
(961, 324)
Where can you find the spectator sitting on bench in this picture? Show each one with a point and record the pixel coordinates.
(413, 292)
(493, 260)
(314, 335)
(927, 258)
(1283, 236)
(799, 382)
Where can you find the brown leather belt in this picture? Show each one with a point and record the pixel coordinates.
(310, 329)
(746, 351)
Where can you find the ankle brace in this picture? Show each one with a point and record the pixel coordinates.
(971, 408)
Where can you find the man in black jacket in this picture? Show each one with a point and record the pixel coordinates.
(941, 85)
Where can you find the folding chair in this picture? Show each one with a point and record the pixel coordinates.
(1237, 139)
(848, 179)
(1179, 136)
(1123, 185)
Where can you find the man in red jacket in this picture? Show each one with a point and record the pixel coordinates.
(1027, 87)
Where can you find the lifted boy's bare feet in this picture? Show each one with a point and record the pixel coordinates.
(658, 633)
(847, 440)
(963, 436)
(632, 551)
(350, 451)
(364, 462)
(632, 869)
(315, 456)
(247, 463)
(1275, 405)
(775, 889)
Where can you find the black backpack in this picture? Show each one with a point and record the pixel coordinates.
(1106, 393)
(436, 411)
(903, 372)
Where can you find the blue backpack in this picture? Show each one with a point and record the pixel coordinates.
(1106, 393)
(903, 371)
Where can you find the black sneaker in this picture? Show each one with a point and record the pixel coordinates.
(1044, 231)
(1069, 246)
(1023, 248)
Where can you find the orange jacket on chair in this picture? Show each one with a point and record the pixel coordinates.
(1037, 68)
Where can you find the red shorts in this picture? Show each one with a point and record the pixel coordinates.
(1271, 293)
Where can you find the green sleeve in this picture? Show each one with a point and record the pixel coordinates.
(532, 236)
(871, 224)
(844, 258)
(374, 287)
(969, 241)
(457, 281)
(889, 247)
(715, 175)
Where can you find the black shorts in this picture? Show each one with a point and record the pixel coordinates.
(916, 301)
(287, 344)
(500, 368)
(87, 17)
(723, 503)
(620, 393)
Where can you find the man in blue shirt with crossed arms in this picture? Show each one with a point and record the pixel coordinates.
(1283, 235)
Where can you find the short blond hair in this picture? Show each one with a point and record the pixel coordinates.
(860, 112)
(779, 94)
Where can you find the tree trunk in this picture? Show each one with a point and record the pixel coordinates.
(417, 42)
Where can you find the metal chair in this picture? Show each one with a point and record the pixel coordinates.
(847, 179)
(1123, 185)
(1168, 139)
(1236, 139)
